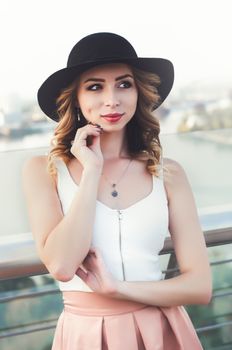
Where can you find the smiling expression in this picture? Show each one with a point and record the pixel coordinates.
(107, 95)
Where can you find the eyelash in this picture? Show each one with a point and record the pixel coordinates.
(128, 83)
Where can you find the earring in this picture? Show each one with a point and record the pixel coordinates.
(78, 114)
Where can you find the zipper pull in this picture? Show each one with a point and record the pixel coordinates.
(120, 214)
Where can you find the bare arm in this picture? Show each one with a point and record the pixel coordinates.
(193, 285)
(64, 241)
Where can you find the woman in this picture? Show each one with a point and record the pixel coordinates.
(101, 203)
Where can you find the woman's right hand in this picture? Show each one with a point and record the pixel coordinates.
(89, 156)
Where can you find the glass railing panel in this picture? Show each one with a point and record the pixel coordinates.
(25, 314)
(41, 340)
(214, 321)
(29, 309)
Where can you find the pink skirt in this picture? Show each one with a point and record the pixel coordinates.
(91, 321)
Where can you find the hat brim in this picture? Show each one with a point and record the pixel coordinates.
(55, 83)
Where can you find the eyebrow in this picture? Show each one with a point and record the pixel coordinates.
(116, 79)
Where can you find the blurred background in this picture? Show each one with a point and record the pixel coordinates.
(196, 130)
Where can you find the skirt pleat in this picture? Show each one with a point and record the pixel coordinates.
(91, 321)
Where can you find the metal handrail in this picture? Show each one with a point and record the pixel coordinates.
(51, 323)
(32, 329)
(5, 298)
(26, 263)
(19, 258)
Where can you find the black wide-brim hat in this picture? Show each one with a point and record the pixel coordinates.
(97, 49)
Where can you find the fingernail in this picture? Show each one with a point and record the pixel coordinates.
(99, 126)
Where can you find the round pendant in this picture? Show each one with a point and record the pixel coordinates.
(114, 193)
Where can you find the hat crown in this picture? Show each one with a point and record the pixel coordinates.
(94, 50)
(100, 46)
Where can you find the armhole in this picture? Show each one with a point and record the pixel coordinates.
(52, 177)
(57, 164)
(61, 171)
(162, 177)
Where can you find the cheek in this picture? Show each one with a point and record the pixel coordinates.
(88, 104)
(132, 99)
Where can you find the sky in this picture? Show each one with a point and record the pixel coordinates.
(37, 36)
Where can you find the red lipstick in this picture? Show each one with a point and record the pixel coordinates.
(112, 117)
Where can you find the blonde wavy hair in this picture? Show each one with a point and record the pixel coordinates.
(142, 131)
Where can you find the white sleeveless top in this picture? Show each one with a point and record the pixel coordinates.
(129, 239)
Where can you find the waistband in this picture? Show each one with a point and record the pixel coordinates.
(94, 304)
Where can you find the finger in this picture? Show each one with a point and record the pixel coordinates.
(84, 140)
(94, 252)
(85, 133)
(92, 249)
(83, 268)
(82, 274)
(86, 128)
(89, 128)
(95, 124)
(82, 136)
(88, 263)
(97, 251)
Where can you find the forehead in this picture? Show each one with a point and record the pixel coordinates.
(110, 70)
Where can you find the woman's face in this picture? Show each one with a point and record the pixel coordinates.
(107, 95)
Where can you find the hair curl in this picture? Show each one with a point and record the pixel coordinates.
(142, 131)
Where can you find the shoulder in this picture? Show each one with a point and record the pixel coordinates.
(174, 176)
(36, 163)
(34, 170)
(172, 168)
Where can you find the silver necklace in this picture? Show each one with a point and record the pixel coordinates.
(114, 193)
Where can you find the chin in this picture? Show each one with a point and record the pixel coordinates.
(113, 127)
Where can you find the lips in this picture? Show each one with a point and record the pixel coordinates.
(112, 117)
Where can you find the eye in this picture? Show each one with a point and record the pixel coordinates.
(126, 84)
(94, 87)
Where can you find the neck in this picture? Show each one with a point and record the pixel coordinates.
(113, 145)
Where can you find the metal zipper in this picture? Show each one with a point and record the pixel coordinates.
(120, 240)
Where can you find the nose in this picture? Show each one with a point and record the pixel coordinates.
(111, 98)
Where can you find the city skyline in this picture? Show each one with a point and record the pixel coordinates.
(37, 37)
